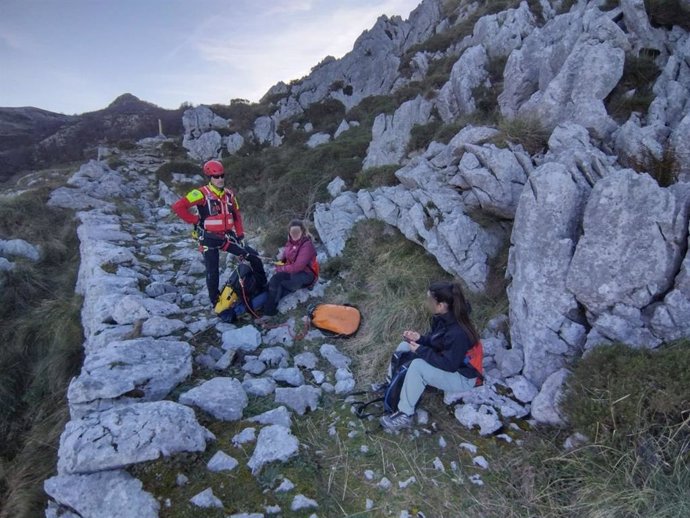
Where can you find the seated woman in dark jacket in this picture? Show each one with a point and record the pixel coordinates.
(296, 268)
(439, 356)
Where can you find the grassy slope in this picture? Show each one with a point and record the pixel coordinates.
(41, 338)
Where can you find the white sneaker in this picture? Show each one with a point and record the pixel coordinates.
(396, 421)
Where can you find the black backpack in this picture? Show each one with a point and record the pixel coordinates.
(400, 361)
(244, 282)
(242, 286)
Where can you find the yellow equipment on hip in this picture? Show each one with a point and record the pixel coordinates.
(226, 300)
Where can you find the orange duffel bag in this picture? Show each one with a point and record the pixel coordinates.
(336, 320)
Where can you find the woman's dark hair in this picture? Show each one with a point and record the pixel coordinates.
(451, 293)
(300, 223)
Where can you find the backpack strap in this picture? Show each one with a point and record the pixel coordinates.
(360, 407)
(474, 369)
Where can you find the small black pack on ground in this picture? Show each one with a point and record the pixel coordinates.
(400, 361)
(399, 364)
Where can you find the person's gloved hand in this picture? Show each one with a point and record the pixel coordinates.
(235, 239)
(230, 245)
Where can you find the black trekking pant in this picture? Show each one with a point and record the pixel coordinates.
(283, 283)
(212, 258)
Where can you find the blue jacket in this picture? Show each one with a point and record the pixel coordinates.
(445, 345)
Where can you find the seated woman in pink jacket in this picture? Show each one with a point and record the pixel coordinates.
(297, 268)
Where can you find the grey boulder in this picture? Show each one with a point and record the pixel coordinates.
(106, 494)
(223, 398)
(143, 369)
(127, 435)
(275, 443)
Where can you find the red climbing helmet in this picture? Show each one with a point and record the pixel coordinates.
(213, 168)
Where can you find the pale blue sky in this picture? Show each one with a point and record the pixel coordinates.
(73, 56)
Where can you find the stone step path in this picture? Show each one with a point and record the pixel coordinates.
(148, 329)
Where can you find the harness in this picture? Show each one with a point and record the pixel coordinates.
(220, 218)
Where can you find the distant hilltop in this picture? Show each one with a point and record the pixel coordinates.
(31, 137)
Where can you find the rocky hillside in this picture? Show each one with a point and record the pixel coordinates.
(20, 130)
(557, 131)
(538, 151)
(33, 138)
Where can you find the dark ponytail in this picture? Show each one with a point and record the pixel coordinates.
(451, 293)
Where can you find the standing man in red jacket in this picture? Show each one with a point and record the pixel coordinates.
(218, 226)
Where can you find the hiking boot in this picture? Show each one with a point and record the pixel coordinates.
(228, 316)
(396, 421)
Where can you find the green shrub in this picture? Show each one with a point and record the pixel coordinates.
(408, 92)
(422, 135)
(291, 136)
(242, 113)
(664, 170)
(446, 132)
(620, 105)
(369, 107)
(265, 179)
(439, 72)
(527, 130)
(304, 177)
(617, 392)
(594, 480)
(274, 238)
(639, 71)
(126, 144)
(114, 162)
(333, 267)
(325, 115)
(667, 13)
(441, 41)
(639, 74)
(376, 177)
(486, 97)
(336, 85)
(273, 99)
(173, 149)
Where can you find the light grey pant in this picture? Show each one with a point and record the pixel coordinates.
(420, 374)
